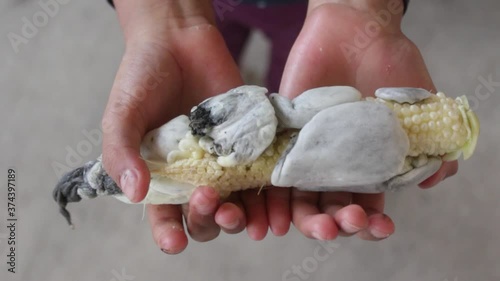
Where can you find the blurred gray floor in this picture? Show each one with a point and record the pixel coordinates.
(56, 87)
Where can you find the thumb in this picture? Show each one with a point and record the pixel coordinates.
(122, 133)
(124, 125)
(140, 94)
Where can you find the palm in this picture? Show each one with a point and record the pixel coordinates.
(202, 75)
(319, 56)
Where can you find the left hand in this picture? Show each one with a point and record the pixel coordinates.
(329, 52)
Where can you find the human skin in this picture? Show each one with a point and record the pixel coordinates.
(317, 59)
(175, 58)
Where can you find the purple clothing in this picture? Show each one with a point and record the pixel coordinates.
(280, 23)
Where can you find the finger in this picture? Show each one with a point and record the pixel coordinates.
(375, 202)
(167, 228)
(256, 216)
(200, 213)
(330, 202)
(349, 218)
(278, 210)
(448, 169)
(122, 133)
(231, 216)
(137, 101)
(380, 226)
(307, 217)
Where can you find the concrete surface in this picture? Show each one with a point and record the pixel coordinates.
(57, 86)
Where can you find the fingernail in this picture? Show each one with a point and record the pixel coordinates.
(378, 234)
(233, 225)
(210, 192)
(128, 182)
(386, 218)
(166, 251)
(317, 236)
(349, 228)
(203, 205)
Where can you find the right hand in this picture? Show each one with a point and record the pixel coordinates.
(389, 59)
(174, 58)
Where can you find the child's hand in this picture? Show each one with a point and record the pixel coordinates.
(174, 59)
(342, 43)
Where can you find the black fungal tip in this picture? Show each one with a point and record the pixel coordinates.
(66, 191)
(75, 184)
(203, 118)
(200, 121)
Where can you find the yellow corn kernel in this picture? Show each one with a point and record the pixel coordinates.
(437, 126)
(207, 172)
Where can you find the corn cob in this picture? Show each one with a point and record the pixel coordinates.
(437, 126)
